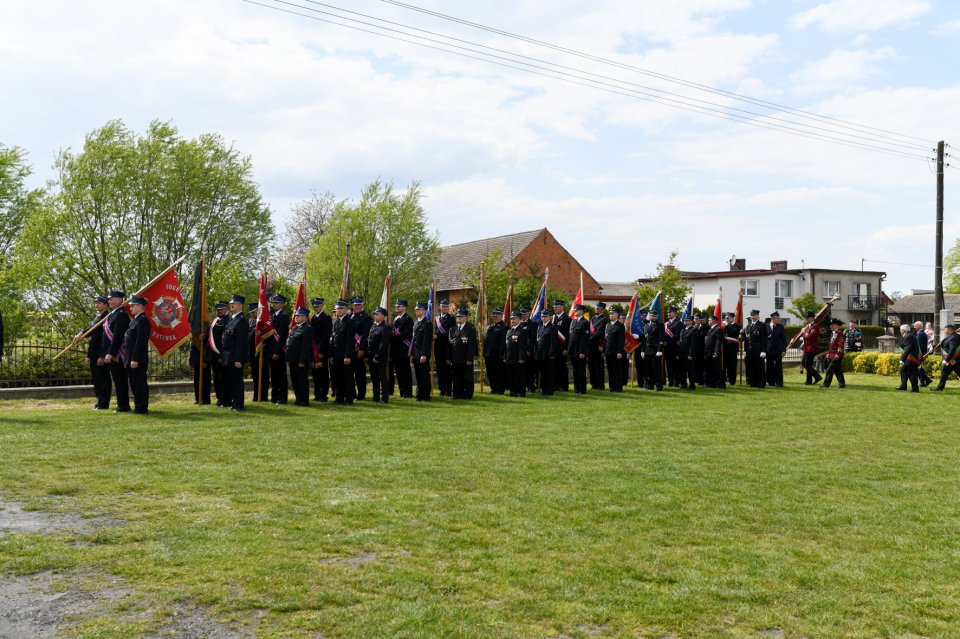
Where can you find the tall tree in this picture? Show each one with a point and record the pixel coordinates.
(385, 229)
(15, 198)
(126, 206)
(308, 221)
(668, 277)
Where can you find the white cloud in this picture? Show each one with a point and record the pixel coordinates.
(839, 71)
(854, 16)
(948, 28)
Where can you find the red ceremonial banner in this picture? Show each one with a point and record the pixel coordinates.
(169, 327)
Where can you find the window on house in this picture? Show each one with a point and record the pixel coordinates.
(784, 288)
(862, 289)
(751, 288)
(830, 288)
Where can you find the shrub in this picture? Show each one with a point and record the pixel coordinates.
(932, 365)
(888, 364)
(872, 331)
(848, 361)
(864, 362)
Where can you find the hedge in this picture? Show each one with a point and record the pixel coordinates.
(887, 364)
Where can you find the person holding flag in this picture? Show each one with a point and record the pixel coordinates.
(671, 346)
(529, 327)
(98, 368)
(613, 351)
(298, 354)
(494, 344)
(400, 351)
(361, 324)
(421, 346)
(731, 344)
(757, 336)
(461, 351)
(561, 378)
(322, 326)
(443, 322)
(136, 341)
(343, 348)
(689, 350)
(279, 390)
(578, 346)
(378, 344)
(598, 329)
(713, 349)
(654, 339)
(547, 350)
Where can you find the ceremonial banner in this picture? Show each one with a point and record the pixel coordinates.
(169, 327)
(739, 317)
(541, 300)
(430, 301)
(656, 306)
(508, 303)
(634, 326)
(301, 301)
(264, 326)
(385, 296)
(199, 313)
(688, 310)
(578, 299)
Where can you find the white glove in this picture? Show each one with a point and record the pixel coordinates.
(762, 355)
(643, 355)
(659, 354)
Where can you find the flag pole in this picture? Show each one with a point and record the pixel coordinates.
(98, 324)
(259, 385)
(481, 317)
(722, 348)
(203, 300)
(741, 364)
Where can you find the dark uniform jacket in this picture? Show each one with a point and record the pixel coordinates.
(447, 322)
(281, 326)
(713, 342)
(236, 341)
(562, 322)
(118, 322)
(422, 343)
(675, 326)
(548, 345)
(300, 344)
(579, 341)
(777, 340)
(378, 341)
(342, 338)
(530, 327)
(599, 323)
(322, 325)
(910, 347)
(950, 348)
(732, 332)
(654, 338)
(757, 336)
(402, 334)
(614, 338)
(691, 342)
(95, 345)
(462, 343)
(137, 338)
(515, 345)
(217, 324)
(361, 326)
(495, 340)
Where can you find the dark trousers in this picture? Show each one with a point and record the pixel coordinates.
(835, 368)
(218, 375)
(922, 376)
(260, 373)
(496, 375)
(756, 371)
(595, 362)
(279, 390)
(908, 372)
(234, 383)
(579, 375)
(945, 371)
(444, 375)
(651, 371)
(714, 376)
(625, 369)
(321, 380)
(671, 365)
(301, 387)
(400, 374)
(775, 369)
(201, 384)
(424, 386)
(731, 356)
(138, 386)
(615, 373)
(462, 381)
(360, 376)
(118, 372)
(809, 365)
(517, 376)
(101, 383)
(561, 376)
(341, 378)
(378, 381)
(548, 374)
(530, 371)
(701, 370)
(689, 373)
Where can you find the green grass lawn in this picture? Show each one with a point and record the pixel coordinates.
(818, 513)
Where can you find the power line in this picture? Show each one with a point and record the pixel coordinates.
(594, 84)
(898, 263)
(703, 87)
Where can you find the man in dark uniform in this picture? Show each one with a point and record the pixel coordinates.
(235, 352)
(686, 352)
(652, 354)
(494, 343)
(461, 351)
(561, 379)
(343, 348)
(578, 346)
(530, 368)
(99, 371)
(757, 336)
(598, 329)
(702, 330)
(613, 351)
(299, 354)
(113, 351)
(514, 356)
(361, 324)
(950, 354)
(322, 325)
(400, 351)
(442, 325)
(671, 346)
(136, 341)
(731, 348)
(547, 350)
(378, 345)
(201, 369)
(279, 389)
(910, 358)
(776, 349)
(260, 361)
(713, 353)
(215, 344)
(421, 346)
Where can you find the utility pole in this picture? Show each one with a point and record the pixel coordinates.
(938, 302)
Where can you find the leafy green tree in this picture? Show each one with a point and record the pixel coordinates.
(804, 303)
(668, 277)
(526, 281)
(385, 230)
(126, 206)
(951, 269)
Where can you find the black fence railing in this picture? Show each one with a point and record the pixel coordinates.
(863, 302)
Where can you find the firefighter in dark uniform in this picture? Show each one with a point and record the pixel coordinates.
(613, 351)
(654, 337)
(299, 354)
(702, 330)
(99, 371)
(671, 346)
(201, 369)
(546, 351)
(343, 348)
(361, 324)
(756, 350)
(776, 349)
(136, 341)
(442, 325)
(686, 352)
(378, 347)
(530, 368)
(113, 351)
(713, 353)
(260, 372)
(461, 351)
(421, 346)
(514, 356)
(561, 378)
(493, 345)
(950, 353)
(215, 343)
(731, 348)
(400, 351)
(235, 352)
(278, 365)
(578, 347)
(598, 329)
(322, 325)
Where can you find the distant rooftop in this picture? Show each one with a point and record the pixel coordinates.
(448, 272)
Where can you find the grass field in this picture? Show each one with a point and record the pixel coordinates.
(795, 512)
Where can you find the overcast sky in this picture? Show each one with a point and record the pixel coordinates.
(619, 181)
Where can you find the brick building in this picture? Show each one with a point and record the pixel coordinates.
(531, 248)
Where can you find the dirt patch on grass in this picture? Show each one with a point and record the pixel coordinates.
(15, 520)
